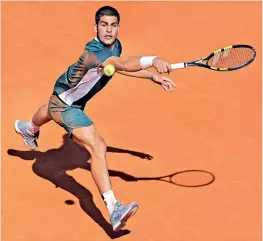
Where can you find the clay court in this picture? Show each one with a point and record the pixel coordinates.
(210, 123)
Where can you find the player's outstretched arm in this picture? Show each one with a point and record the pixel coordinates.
(143, 74)
(136, 63)
(165, 82)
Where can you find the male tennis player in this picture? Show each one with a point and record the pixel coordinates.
(79, 84)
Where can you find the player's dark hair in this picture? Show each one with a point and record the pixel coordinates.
(106, 11)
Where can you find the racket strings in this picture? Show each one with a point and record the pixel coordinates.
(231, 58)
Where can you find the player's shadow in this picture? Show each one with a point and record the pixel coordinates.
(53, 164)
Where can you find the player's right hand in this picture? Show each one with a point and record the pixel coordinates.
(161, 66)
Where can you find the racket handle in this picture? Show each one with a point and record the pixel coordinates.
(178, 66)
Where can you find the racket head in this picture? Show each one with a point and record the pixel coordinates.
(230, 58)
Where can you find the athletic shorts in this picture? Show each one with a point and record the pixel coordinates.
(68, 117)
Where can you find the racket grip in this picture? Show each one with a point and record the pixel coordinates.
(178, 66)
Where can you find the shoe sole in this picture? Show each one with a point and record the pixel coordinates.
(21, 134)
(128, 214)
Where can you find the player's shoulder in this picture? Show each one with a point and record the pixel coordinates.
(118, 45)
(118, 42)
(94, 45)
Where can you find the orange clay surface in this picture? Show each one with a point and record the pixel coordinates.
(211, 122)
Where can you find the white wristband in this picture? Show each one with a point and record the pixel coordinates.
(146, 61)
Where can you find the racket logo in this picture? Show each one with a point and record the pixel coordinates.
(228, 47)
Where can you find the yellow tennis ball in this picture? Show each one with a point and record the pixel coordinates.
(109, 70)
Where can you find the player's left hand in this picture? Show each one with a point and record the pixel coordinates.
(165, 82)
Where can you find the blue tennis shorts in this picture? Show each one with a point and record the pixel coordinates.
(68, 117)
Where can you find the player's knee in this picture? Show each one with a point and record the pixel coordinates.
(91, 140)
(44, 108)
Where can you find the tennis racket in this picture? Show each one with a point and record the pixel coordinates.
(198, 178)
(229, 58)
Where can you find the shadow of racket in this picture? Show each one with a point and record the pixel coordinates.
(186, 178)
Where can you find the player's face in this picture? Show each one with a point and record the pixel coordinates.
(107, 29)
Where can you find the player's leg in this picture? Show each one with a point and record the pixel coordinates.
(82, 130)
(89, 138)
(29, 130)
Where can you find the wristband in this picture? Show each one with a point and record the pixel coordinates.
(146, 61)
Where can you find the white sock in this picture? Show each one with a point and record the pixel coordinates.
(110, 200)
(33, 128)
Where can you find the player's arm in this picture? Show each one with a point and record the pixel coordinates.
(164, 81)
(137, 63)
(143, 74)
